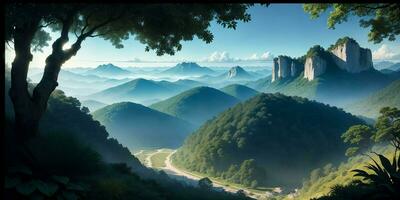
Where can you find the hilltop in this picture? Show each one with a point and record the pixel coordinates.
(139, 127)
(196, 105)
(269, 140)
(239, 91)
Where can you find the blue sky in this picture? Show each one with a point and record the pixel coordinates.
(278, 29)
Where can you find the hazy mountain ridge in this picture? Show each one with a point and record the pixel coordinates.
(239, 91)
(370, 106)
(108, 70)
(93, 105)
(188, 69)
(197, 104)
(139, 127)
(139, 90)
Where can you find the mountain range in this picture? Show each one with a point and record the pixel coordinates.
(108, 70)
(188, 69)
(93, 105)
(139, 90)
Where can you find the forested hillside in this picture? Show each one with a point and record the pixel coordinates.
(269, 140)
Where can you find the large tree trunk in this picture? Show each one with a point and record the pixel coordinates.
(26, 116)
(29, 109)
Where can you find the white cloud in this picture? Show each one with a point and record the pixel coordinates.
(267, 56)
(225, 57)
(385, 53)
(253, 57)
(220, 57)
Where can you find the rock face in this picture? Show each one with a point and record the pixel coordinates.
(238, 73)
(275, 69)
(296, 68)
(350, 57)
(314, 67)
(346, 54)
(281, 67)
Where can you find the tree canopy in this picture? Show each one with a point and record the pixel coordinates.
(386, 129)
(161, 27)
(382, 18)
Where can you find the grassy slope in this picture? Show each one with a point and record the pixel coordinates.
(323, 179)
(370, 106)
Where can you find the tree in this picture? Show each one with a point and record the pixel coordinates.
(205, 183)
(386, 129)
(358, 135)
(380, 181)
(383, 18)
(161, 27)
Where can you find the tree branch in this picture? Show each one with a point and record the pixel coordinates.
(66, 25)
(77, 45)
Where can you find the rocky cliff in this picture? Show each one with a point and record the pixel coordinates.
(296, 68)
(346, 54)
(238, 73)
(349, 56)
(281, 67)
(314, 67)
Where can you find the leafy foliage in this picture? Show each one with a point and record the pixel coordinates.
(180, 22)
(381, 17)
(322, 180)
(387, 129)
(358, 135)
(379, 181)
(271, 139)
(340, 42)
(25, 185)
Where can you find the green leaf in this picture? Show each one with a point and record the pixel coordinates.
(47, 189)
(69, 195)
(77, 187)
(61, 179)
(11, 182)
(26, 188)
(20, 169)
(386, 164)
(36, 197)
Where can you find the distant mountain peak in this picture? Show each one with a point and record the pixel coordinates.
(238, 72)
(108, 69)
(188, 68)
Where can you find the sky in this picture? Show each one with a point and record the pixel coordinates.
(280, 29)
